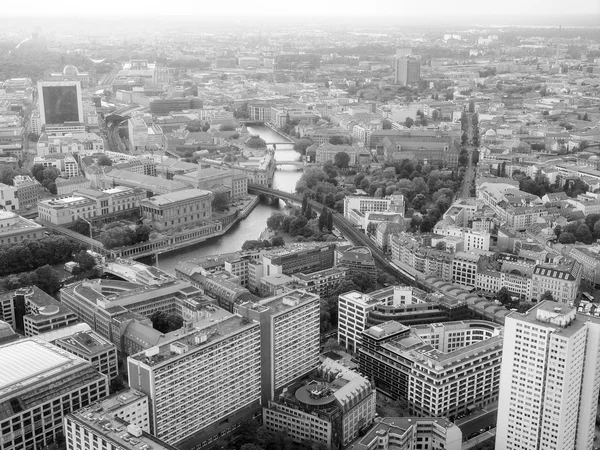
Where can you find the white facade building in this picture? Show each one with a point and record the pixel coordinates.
(549, 380)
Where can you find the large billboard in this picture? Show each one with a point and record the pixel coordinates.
(61, 104)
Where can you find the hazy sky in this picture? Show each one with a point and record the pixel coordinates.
(323, 8)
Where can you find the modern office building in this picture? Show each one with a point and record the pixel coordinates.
(550, 379)
(201, 382)
(39, 384)
(60, 102)
(30, 311)
(407, 70)
(177, 209)
(440, 370)
(289, 326)
(119, 422)
(408, 433)
(92, 347)
(305, 259)
(408, 305)
(332, 412)
(323, 282)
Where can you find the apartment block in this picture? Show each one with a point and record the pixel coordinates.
(199, 382)
(289, 338)
(550, 379)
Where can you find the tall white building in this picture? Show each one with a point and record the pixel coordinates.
(549, 380)
(289, 326)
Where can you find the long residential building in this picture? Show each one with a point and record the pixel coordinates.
(39, 385)
(441, 369)
(201, 380)
(549, 381)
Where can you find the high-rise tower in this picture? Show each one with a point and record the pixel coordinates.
(549, 380)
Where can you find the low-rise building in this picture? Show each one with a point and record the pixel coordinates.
(408, 433)
(92, 347)
(323, 282)
(357, 260)
(120, 421)
(332, 412)
(22, 195)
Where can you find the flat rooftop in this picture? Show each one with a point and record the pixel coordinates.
(217, 324)
(29, 361)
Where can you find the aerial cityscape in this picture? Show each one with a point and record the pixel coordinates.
(266, 226)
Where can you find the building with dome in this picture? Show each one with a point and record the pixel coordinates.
(71, 73)
(490, 137)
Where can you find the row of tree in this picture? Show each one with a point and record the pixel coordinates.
(275, 241)
(29, 255)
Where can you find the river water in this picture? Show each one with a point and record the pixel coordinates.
(250, 228)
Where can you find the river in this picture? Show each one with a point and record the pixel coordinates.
(250, 228)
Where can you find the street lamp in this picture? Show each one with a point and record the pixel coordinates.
(90, 228)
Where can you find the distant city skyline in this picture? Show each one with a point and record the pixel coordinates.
(333, 8)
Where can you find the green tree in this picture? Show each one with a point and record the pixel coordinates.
(85, 260)
(275, 220)
(547, 296)
(7, 174)
(504, 296)
(104, 160)
(165, 322)
(301, 146)
(409, 122)
(567, 238)
(341, 160)
(340, 140)
(363, 281)
(277, 241)
(330, 221)
(386, 124)
(48, 279)
(142, 233)
(81, 227)
(220, 201)
(38, 172)
(583, 234)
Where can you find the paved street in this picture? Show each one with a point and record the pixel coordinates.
(478, 420)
